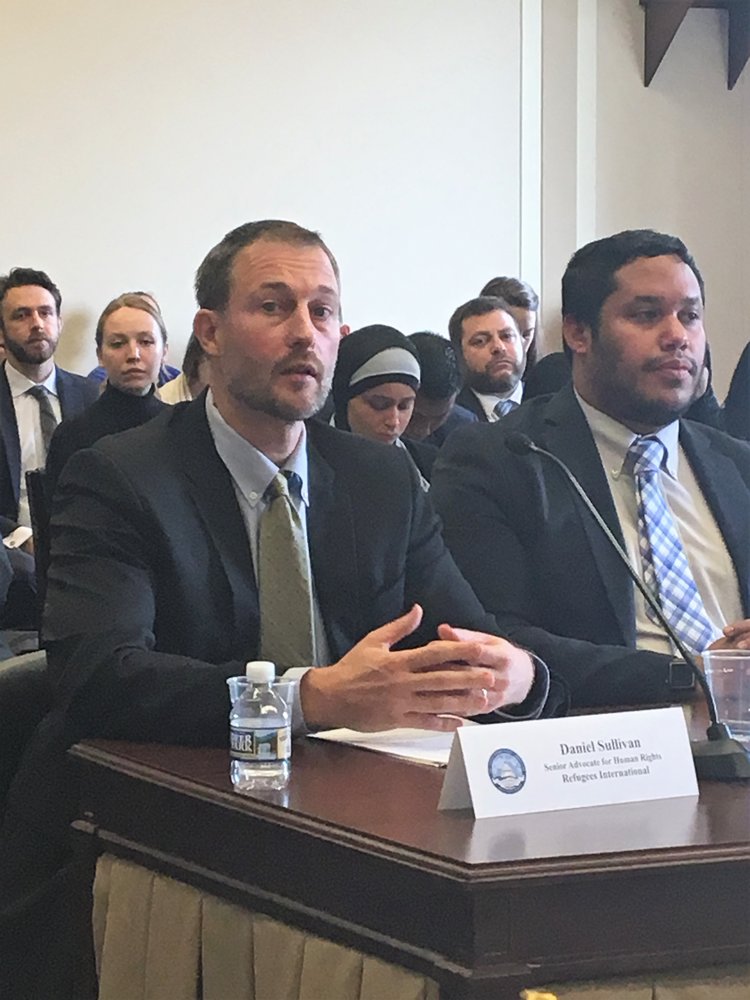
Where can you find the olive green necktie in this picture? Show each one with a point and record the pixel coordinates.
(287, 636)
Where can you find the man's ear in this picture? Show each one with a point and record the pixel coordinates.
(345, 330)
(205, 325)
(576, 335)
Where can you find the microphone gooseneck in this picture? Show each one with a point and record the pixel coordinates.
(721, 757)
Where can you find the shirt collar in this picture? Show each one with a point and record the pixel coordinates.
(19, 384)
(489, 400)
(614, 439)
(251, 470)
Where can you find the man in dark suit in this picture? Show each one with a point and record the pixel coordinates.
(633, 320)
(490, 351)
(179, 581)
(34, 396)
(159, 538)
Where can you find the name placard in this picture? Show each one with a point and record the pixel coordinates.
(587, 760)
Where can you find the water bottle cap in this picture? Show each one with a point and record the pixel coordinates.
(260, 671)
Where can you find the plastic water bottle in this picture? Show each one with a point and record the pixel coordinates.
(260, 741)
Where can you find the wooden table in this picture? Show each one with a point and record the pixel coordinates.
(355, 851)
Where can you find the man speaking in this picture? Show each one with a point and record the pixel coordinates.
(227, 530)
(230, 530)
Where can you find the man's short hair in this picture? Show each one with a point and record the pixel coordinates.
(22, 276)
(515, 292)
(131, 300)
(481, 306)
(589, 278)
(213, 277)
(441, 377)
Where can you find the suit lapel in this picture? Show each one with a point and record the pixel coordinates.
(569, 438)
(727, 496)
(9, 432)
(66, 392)
(333, 551)
(211, 490)
(469, 401)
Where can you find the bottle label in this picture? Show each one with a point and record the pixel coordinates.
(260, 744)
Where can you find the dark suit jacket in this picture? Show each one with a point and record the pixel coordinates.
(152, 601)
(423, 454)
(737, 404)
(469, 401)
(75, 394)
(458, 417)
(152, 604)
(537, 560)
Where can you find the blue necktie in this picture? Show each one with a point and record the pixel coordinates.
(504, 407)
(665, 567)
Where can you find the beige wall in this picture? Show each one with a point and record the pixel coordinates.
(676, 157)
(434, 143)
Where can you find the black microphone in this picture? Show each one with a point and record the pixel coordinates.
(720, 757)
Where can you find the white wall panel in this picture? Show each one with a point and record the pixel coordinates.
(135, 134)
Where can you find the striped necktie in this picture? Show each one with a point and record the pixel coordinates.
(47, 417)
(287, 632)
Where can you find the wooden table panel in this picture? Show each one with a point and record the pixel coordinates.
(356, 851)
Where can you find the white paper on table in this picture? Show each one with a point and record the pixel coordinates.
(419, 745)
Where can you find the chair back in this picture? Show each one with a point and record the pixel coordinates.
(40, 516)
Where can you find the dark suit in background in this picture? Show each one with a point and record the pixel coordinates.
(737, 403)
(458, 417)
(75, 394)
(536, 559)
(423, 455)
(469, 401)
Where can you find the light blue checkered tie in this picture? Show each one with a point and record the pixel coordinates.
(665, 567)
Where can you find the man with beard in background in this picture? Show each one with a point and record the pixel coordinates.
(35, 395)
(491, 353)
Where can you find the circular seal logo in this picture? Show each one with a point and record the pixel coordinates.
(507, 771)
